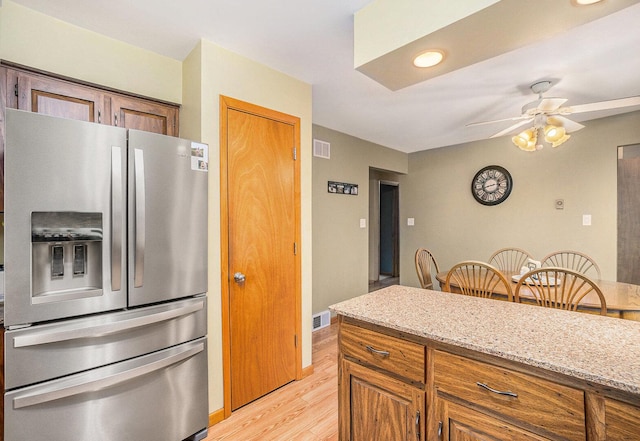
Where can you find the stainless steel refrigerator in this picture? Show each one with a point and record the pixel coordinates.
(105, 283)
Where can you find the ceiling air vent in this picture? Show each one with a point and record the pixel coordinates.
(321, 149)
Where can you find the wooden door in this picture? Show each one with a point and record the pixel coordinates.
(260, 189)
(134, 113)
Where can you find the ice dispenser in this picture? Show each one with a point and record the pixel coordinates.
(66, 250)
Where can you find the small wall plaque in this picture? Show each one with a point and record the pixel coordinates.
(342, 188)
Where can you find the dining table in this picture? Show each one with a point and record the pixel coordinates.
(622, 299)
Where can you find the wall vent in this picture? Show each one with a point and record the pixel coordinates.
(321, 149)
(321, 320)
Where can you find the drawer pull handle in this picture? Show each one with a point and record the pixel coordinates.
(418, 425)
(377, 352)
(499, 392)
(439, 429)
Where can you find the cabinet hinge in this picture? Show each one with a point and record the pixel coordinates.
(295, 248)
(295, 154)
(15, 89)
(295, 340)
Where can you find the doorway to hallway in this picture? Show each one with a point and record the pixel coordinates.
(384, 240)
(389, 229)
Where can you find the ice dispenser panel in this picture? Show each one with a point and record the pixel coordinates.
(66, 249)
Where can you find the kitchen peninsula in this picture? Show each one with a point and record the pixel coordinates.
(428, 365)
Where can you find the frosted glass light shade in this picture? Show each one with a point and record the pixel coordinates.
(560, 141)
(429, 58)
(526, 140)
(553, 133)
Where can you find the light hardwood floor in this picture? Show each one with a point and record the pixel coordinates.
(305, 410)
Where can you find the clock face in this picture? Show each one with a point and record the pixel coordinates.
(491, 185)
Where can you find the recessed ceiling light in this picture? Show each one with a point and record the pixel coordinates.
(428, 59)
(586, 2)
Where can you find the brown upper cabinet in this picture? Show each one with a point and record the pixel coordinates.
(134, 113)
(63, 98)
(21, 88)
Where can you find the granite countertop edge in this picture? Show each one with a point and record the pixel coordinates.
(575, 344)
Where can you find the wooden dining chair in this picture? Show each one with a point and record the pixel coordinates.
(510, 259)
(478, 279)
(424, 261)
(573, 260)
(560, 288)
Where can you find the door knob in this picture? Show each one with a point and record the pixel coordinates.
(239, 277)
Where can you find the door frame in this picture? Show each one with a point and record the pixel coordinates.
(226, 104)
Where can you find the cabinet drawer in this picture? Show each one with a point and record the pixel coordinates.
(400, 357)
(622, 420)
(541, 406)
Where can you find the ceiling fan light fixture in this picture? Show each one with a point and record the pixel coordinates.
(554, 133)
(560, 141)
(429, 58)
(526, 140)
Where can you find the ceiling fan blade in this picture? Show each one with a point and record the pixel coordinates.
(569, 125)
(510, 129)
(551, 104)
(480, 123)
(601, 105)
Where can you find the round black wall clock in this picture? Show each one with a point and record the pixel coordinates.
(491, 185)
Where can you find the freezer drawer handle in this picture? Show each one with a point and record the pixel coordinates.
(104, 382)
(80, 331)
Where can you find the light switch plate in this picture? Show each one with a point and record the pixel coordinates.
(363, 223)
(411, 221)
(586, 219)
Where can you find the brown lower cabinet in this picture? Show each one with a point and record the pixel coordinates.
(380, 407)
(394, 386)
(622, 421)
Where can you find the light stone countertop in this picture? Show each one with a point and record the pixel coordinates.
(603, 350)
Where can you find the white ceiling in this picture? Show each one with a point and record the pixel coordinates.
(312, 40)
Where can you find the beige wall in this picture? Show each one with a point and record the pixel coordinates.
(340, 246)
(211, 71)
(583, 172)
(38, 41)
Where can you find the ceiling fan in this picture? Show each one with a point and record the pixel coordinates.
(547, 116)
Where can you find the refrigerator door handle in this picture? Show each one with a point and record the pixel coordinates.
(80, 330)
(104, 382)
(116, 218)
(139, 219)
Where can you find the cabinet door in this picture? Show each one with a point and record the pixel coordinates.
(149, 116)
(622, 421)
(375, 407)
(55, 97)
(458, 423)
